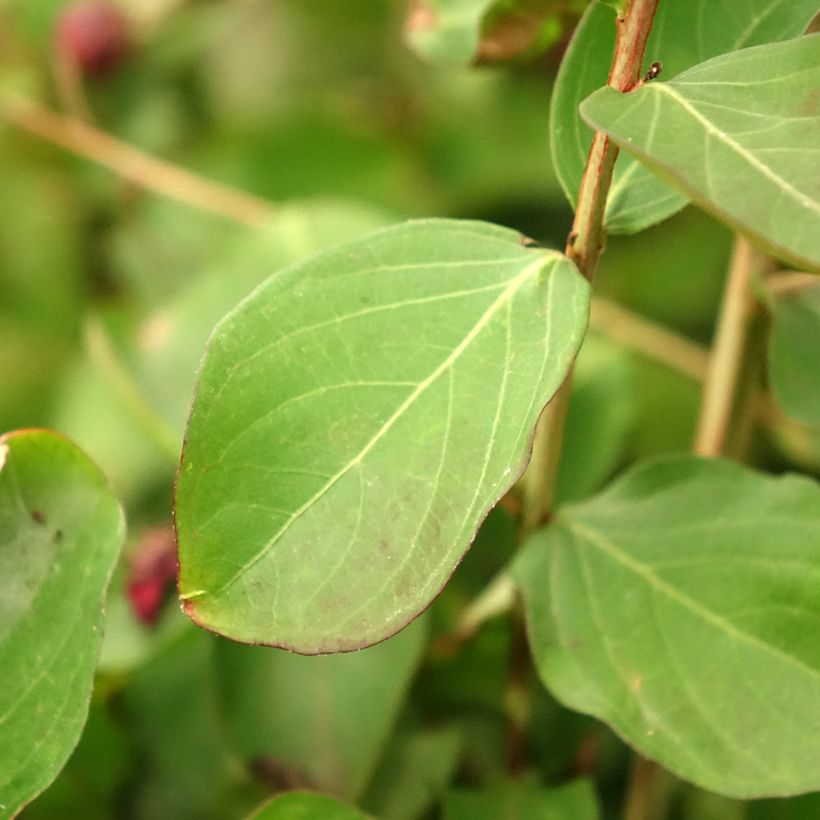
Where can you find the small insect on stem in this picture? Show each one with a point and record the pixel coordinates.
(654, 71)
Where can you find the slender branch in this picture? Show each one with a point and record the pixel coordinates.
(134, 165)
(649, 339)
(786, 283)
(736, 312)
(584, 247)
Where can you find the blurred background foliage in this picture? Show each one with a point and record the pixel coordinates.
(320, 124)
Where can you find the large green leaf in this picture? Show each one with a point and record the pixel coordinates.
(739, 134)
(355, 419)
(60, 533)
(794, 354)
(523, 800)
(681, 606)
(685, 33)
(326, 719)
(307, 806)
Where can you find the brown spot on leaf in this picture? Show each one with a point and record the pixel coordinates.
(38, 517)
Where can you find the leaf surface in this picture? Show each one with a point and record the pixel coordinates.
(326, 719)
(794, 354)
(355, 419)
(60, 533)
(680, 606)
(685, 33)
(739, 134)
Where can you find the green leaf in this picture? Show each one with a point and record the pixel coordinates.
(794, 354)
(523, 800)
(685, 33)
(355, 419)
(413, 774)
(738, 134)
(447, 31)
(324, 718)
(307, 806)
(60, 533)
(680, 606)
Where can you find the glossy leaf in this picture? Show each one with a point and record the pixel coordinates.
(60, 533)
(325, 720)
(794, 354)
(680, 607)
(739, 135)
(355, 419)
(685, 33)
(307, 806)
(523, 801)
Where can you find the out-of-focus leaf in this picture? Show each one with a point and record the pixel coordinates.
(447, 31)
(187, 770)
(413, 774)
(60, 532)
(739, 135)
(307, 806)
(601, 415)
(324, 720)
(296, 447)
(685, 33)
(678, 603)
(523, 800)
(794, 354)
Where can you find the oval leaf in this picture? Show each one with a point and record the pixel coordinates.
(794, 354)
(355, 419)
(739, 135)
(681, 606)
(685, 33)
(60, 533)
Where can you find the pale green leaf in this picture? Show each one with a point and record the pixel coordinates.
(356, 418)
(681, 607)
(685, 33)
(60, 533)
(307, 806)
(447, 31)
(324, 718)
(794, 354)
(739, 134)
(523, 800)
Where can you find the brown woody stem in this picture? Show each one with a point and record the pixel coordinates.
(584, 247)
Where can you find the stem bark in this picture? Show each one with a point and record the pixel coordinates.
(585, 245)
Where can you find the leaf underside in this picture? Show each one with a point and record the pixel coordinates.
(685, 33)
(681, 607)
(740, 135)
(355, 419)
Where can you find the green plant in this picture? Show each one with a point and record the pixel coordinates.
(367, 412)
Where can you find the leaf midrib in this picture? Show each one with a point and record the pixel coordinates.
(646, 573)
(515, 284)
